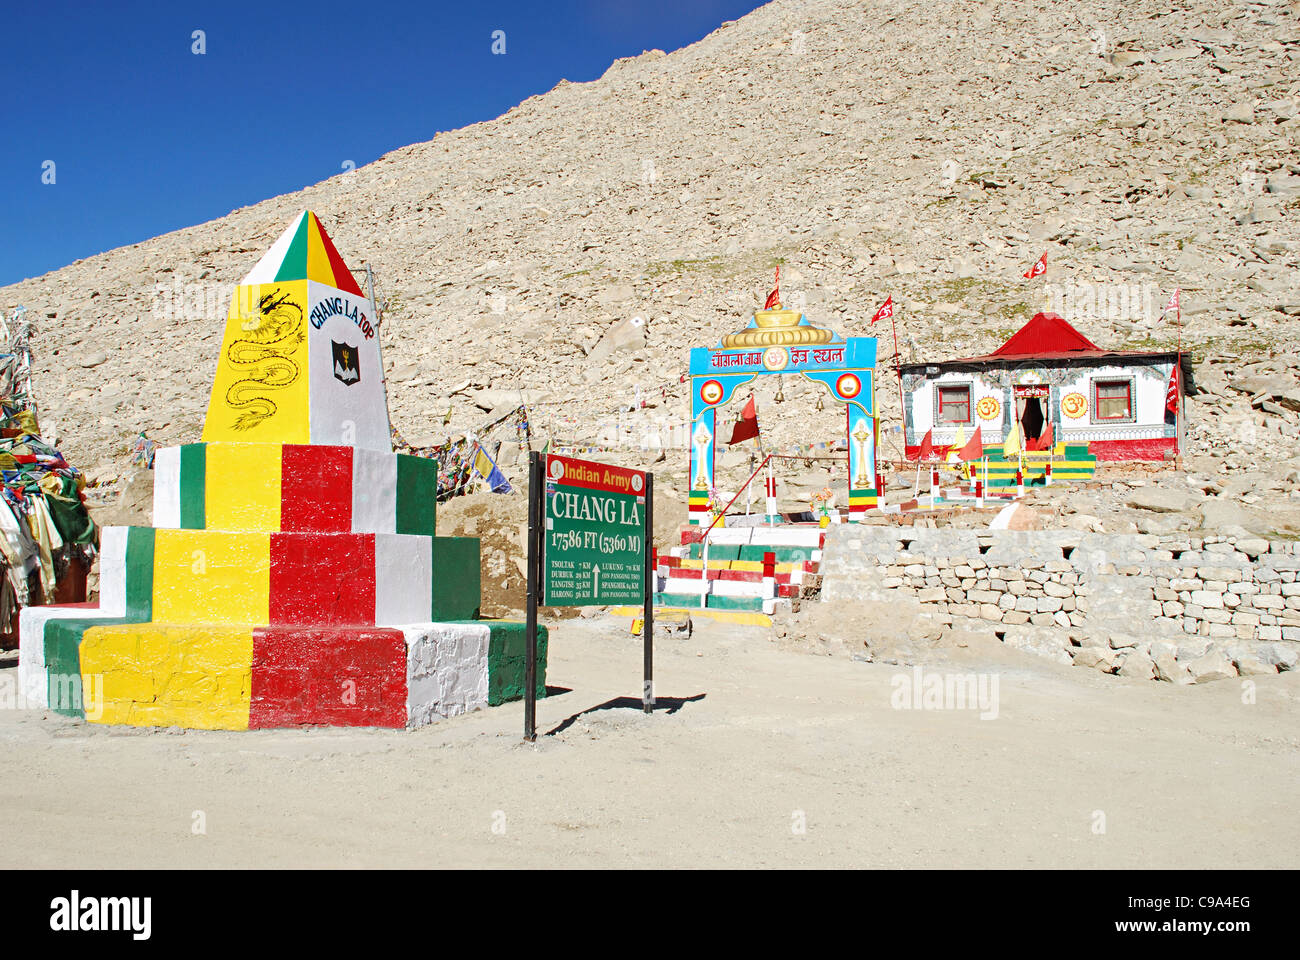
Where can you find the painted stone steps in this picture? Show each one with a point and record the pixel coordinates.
(749, 618)
(727, 588)
(744, 566)
(213, 577)
(755, 552)
(860, 501)
(298, 488)
(235, 677)
(713, 602)
(761, 519)
(260, 627)
(786, 536)
(735, 577)
(1069, 462)
(750, 576)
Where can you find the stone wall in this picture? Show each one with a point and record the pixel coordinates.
(1169, 607)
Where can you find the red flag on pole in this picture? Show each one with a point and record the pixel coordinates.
(1171, 394)
(886, 310)
(774, 298)
(927, 446)
(1174, 305)
(974, 449)
(746, 427)
(1038, 269)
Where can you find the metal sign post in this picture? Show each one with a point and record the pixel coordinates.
(536, 492)
(651, 581)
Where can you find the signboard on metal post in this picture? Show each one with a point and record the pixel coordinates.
(595, 534)
(589, 544)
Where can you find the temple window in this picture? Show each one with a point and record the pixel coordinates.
(954, 404)
(1113, 400)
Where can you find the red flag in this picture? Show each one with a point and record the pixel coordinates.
(774, 298)
(886, 310)
(974, 449)
(927, 446)
(1171, 394)
(1174, 305)
(1043, 442)
(1038, 269)
(746, 427)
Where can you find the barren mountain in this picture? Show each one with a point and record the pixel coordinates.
(927, 150)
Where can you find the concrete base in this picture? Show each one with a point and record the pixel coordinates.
(233, 677)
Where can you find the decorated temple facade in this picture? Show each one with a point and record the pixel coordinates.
(1048, 380)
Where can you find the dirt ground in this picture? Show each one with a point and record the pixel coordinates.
(759, 754)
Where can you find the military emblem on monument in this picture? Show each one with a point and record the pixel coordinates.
(346, 365)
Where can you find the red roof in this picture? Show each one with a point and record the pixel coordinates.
(1046, 333)
(1048, 337)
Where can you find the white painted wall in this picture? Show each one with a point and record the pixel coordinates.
(1148, 398)
(924, 407)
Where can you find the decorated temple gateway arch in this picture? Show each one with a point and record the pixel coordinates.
(784, 341)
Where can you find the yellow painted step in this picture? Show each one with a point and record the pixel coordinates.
(752, 566)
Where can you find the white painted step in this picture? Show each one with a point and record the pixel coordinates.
(683, 585)
(731, 535)
(787, 536)
(743, 588)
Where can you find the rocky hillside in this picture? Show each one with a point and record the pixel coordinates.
(931, 151)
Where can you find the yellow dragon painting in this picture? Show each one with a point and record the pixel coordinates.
(275, 331)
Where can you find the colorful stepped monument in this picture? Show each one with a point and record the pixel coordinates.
(293, 575)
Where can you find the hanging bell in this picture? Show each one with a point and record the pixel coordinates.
(819, 402)
(780, 386)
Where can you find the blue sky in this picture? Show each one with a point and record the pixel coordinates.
(146, 136)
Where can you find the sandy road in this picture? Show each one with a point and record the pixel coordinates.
(762, 740)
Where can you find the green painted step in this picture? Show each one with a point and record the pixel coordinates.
(1072, 452)
(717, 551)
(755, 551)
(457, 578)
(752, 551)
(1037, 480)
(734, 603)
(677, 599)
(712, 602)
(507, 660)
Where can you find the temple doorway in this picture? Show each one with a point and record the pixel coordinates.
(1031, 411)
